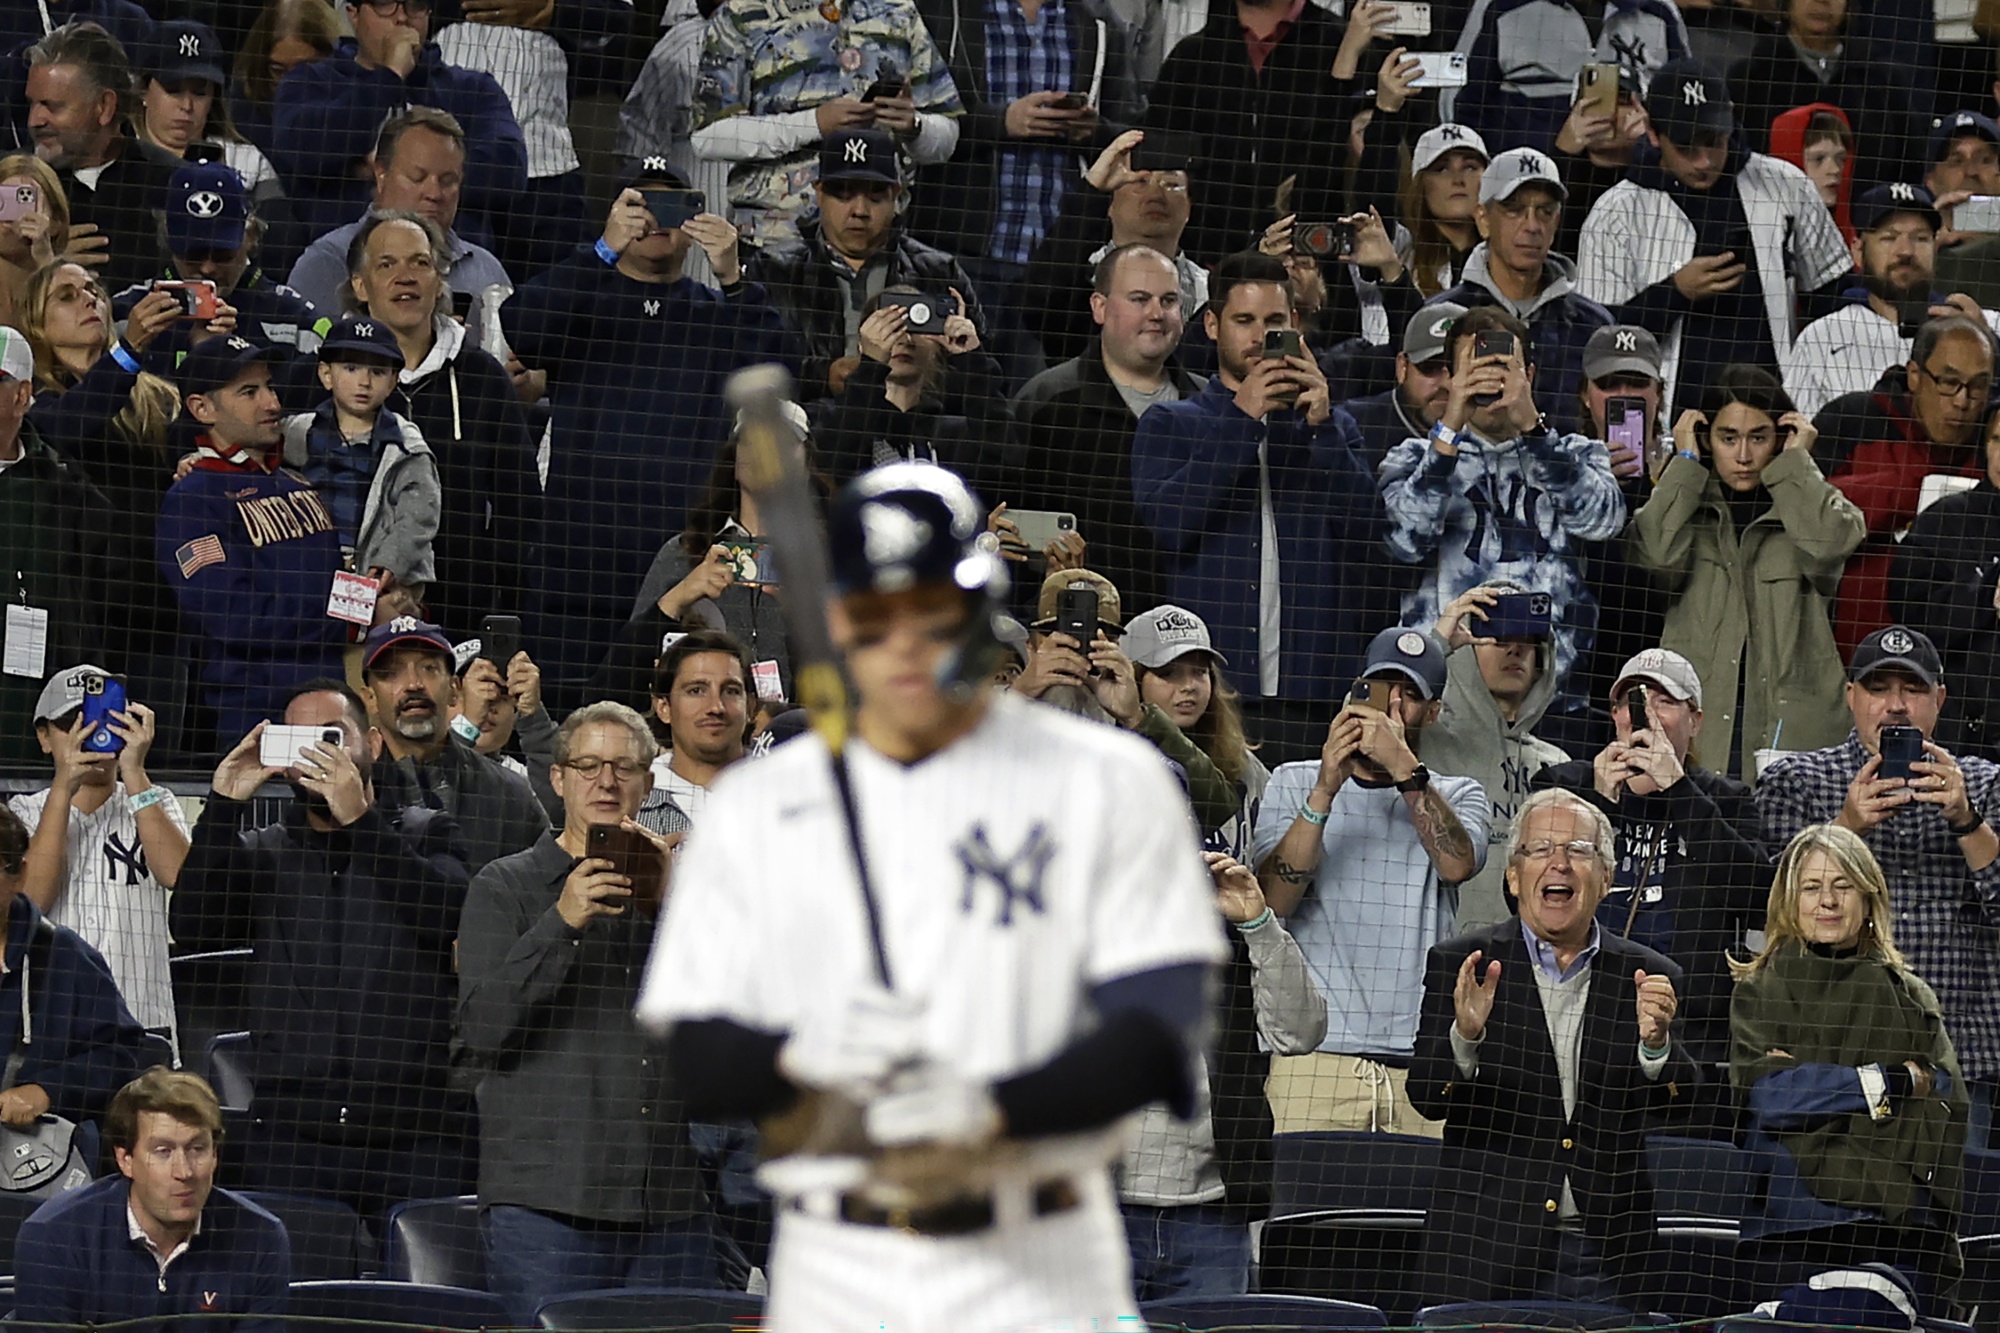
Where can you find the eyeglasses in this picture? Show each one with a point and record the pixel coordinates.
(588, 768)
(1759, 438)
(1582, 849)
(1951, 387)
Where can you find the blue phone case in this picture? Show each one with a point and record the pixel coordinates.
(97, 711)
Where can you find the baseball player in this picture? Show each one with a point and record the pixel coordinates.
(945, 1041)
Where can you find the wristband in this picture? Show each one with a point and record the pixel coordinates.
(1651, 1054)
(1312, 816)
(1689, 454)
(149, 798)
(123, 356)
(605, 252)
(464, 728)
(1967, 830)
(1257, 922)
(1442, 435)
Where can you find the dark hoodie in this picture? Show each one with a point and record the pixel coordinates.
(76, 1039)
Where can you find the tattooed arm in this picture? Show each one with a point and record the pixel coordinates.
(1443, 834)
(1287, 871)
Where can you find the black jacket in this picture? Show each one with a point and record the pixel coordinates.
(125, 205)
(1384, 425)
(1942, 583)
(954, 207)
(965, 426)
(77, 1040)
(1079, 459)
(494, 813)
(351, 987)
(1876, 98)
(1508, 1144)
(1718, 882)
(798, 278)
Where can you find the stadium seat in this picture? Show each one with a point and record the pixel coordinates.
(1981, 1213)
(336, 1307)
(326, 1234)
(1696, 1177)
(1360, 1254)
(653, 1308)
(226, 1070)
(1701, 1276)
(1562, 1316)
(1319, 1171)
(1204, 1314)
(1979, 1289)
(435, 1241)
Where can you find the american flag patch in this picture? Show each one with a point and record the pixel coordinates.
(199, 554)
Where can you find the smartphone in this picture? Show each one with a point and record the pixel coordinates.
(927, 313)
(1901, 747)
(1282, 343)
(1323, 240)
(889, 83)
(461, 306)
(1076, 615)
(632, 855)
(102, 696)
(670, 208)
(198, 298)
(1519, 615)
(1911, 314)
(1737, 243)
(1979, 213)
(751, 562)
(280, 746)
(1039, 527)
(1597, 89)
(1163, 152)
(203, 151)
(1071, 102)
(499, 640)
(1625, 426)
(1369, 694)
(1412, 19)
(1439, 69)
(18, 202)
(1492, 342)
(1638, 707)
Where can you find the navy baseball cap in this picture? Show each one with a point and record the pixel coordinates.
(1881, 202)
(399, 632)
(359, 334)
(859, 155)
(902, 525)
(1687, 98)
(215, 364)
(180, 50)
(1958, 125)
(635, 173)
(1897, 648)
(208, 208)
(1410, 653)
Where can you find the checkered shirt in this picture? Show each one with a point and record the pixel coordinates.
(1023, 58)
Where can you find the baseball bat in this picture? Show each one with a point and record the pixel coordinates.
(773, 471)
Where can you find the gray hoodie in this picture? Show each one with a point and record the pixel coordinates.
(405, 501)
(1471, 739)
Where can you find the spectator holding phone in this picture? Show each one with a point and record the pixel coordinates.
(181, 104)
(1923, 812)
(1749, 540)
(1598, 143)
(1495, 491)
(1423, 385)
(349, 906)
(34, 228)
(1964, 160)
(551, 946)
(108, 843)
(503, 708)
(371, 465)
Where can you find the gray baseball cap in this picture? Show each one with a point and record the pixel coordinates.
(1621, 349)
(1428, 334)
(1165, 634)
(1662, 667)
(66, 690)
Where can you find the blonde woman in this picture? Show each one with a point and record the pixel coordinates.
(1856, 1108)
(35, 236)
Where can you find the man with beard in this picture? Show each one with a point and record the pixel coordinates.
(350, 910)
(1895, 249)
(1423, 386)
(406, 669)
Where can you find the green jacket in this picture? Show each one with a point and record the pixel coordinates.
(1214, 800)
(1754, 605)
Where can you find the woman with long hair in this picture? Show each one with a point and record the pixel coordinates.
(38, 232)
(1180, 673)
(1437, 203)
(287, 34)
(181, 103)
(1856, 1107)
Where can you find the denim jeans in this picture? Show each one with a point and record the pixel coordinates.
(533, 1256)
(1196, 1249)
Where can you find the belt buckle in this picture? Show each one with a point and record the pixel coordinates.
(897, 1217)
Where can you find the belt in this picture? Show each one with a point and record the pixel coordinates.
(963, 1216)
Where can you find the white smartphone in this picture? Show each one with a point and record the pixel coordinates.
(1439, 69)
(1039, 527)
(280, 746)
(1979, 213)
(1413, 19)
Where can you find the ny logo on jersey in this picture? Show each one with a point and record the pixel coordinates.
(1018, 878)
(133, 859)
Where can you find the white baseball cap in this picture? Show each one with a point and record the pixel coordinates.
(1442, 139)
(1517, 167)
(1166, 634)
(17, 359)
(1662, 667)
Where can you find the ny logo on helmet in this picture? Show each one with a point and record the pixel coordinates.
(190, 45)
(891, 534)
(1625, 340)
(204, 204)
(856, 150)
(1693, 93)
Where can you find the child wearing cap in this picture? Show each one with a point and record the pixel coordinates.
(370, 465)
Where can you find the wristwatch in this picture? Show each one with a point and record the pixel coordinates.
(1420, 778)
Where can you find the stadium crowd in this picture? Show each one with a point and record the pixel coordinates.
(1530, 468)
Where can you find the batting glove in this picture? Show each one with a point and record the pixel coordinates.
(932, 1104)
(854, 1048)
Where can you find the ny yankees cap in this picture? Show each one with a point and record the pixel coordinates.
(67, 689)
(652, 169)
(1110, 608)
(182, 50)
(859, 155)
(1662, 667)
(1435, 142)
(1946, 130)
(358, 335)
(1881, 202)
(1621, 349)
(216, 363)
(1897, 648)
(208, 208)
(1166, 634)
(1517, 167)
(1687, 98)
(1410, 653)
(403, 630)
(17, 359)
(1428, 333)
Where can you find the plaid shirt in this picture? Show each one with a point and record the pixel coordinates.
(1946, 912)
(1023, 58)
